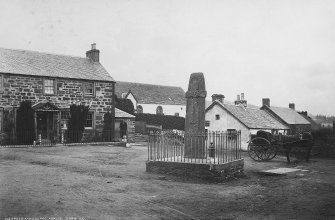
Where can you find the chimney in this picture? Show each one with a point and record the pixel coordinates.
(266, 101)
(304, 113)
(93, 54)
(291, 106)
(241, 100)
(218, 97)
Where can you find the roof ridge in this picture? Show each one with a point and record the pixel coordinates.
(27, 62)
(250, 113)
(44, 53)
(149, 84)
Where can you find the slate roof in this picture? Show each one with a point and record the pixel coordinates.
(251, 117)
(314, 125)
(152, 94)
(208, 103)
(288, 115)
(122, 114)
(44, 64)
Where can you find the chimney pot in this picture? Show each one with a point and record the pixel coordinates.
(93, 46)
(266, 101)
(240, 100)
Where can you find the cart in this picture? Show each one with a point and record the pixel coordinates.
(264, 146)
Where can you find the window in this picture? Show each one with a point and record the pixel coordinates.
(139, 109)
(89, 120)
(207, 123)
(231, 133)
(1, 83)
(159, 110)
(217, 117)
(88, 89)
(176, 114)
(65, 115)
(64, 118)
(49, 87)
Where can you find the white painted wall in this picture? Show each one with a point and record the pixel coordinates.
(132, 99)
(227, 121)
(151, 108)
(167, 109)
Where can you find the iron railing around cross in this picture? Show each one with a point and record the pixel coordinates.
(209, 147)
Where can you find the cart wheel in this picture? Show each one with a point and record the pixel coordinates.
(271, 152)
(259, 149)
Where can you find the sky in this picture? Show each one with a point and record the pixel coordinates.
(278, 49)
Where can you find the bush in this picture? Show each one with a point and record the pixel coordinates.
(168, 122)
(25, 125)
(324, 140)
(125, 105)
(322, 134)
(108, 129)
(76, 123)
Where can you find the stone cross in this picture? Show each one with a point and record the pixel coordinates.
(195, 117)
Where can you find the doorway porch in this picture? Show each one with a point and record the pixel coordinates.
(46, 117)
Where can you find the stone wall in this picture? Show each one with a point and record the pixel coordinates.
(209, 172)
(17, 88)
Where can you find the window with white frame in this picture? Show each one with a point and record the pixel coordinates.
(89, 120)
(88, 88)
(49, 86)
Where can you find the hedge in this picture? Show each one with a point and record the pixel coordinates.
(167, 121)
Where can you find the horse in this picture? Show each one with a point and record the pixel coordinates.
(305, 144)
(288, 142)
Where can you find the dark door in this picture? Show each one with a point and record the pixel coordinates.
(45, 125)
(42, 124)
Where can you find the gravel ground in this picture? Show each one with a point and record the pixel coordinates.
(109, 182)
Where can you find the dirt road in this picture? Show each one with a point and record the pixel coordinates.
(107, 182)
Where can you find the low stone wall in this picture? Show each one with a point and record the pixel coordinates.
(209, 172)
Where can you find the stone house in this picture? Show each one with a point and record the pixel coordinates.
(52, 83)
(153, 99)
(225, 116)
(288, 116)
